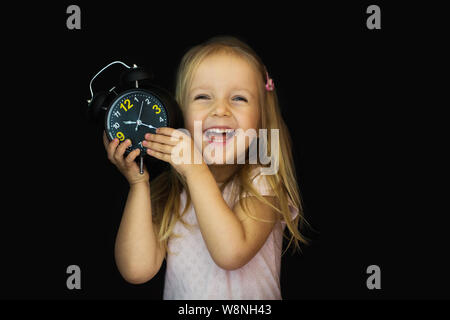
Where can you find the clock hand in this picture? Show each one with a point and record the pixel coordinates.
(138, 122)
(129, 122)
(148, 125)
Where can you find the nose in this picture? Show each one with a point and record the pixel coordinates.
(221, 109)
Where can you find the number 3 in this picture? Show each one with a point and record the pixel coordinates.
(157, 108)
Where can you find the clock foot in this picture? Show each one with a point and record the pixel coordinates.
(141, 164)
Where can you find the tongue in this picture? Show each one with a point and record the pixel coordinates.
(219, 136)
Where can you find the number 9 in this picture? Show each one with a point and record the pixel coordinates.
(120, 136)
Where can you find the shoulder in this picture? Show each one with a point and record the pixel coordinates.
(260, 182)
(265, 185)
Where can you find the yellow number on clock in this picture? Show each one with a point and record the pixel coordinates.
(158, 109)
(128, 103)
(120, 136)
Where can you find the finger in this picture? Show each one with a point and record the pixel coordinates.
(132, 156)
(118, 155)
(106, 141)
(173, 141)
(166, 131)
(111, 149)
(160, 147)
(159, 155)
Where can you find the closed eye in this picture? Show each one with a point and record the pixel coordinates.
(201, 97)
(239, 98)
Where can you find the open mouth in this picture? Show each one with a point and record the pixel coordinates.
(218, 135)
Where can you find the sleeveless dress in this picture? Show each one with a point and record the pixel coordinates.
(191, 273)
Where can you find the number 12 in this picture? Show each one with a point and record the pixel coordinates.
(128, 103)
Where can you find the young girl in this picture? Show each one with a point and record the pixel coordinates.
(218, 224)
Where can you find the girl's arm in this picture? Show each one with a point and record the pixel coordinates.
(137, 251)
(232, 238)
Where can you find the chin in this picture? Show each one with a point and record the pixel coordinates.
(228, 158)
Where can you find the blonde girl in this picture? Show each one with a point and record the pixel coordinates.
(218, 223)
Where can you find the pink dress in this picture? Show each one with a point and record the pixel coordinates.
(192, 274)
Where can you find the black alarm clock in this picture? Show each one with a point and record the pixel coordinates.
(132, 108)
(134, 113)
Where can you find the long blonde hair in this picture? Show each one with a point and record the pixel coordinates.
(167, 187)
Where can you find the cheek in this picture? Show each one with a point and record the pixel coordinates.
(191, 115)
(249, 119)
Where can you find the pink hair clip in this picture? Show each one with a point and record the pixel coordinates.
(270, 85)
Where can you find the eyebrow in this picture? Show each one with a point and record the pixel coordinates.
(198, 88)
(233, 89)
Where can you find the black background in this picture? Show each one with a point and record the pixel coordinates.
(352, 98)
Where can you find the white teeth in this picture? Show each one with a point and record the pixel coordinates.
(219, 130)
(216, 134)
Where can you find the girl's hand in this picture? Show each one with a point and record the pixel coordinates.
(127, 166)
(168, 145)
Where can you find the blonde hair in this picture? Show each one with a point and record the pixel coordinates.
(167, 187)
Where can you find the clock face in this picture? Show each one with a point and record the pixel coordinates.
(133, 114)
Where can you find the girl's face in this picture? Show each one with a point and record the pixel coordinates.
(224, 96)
